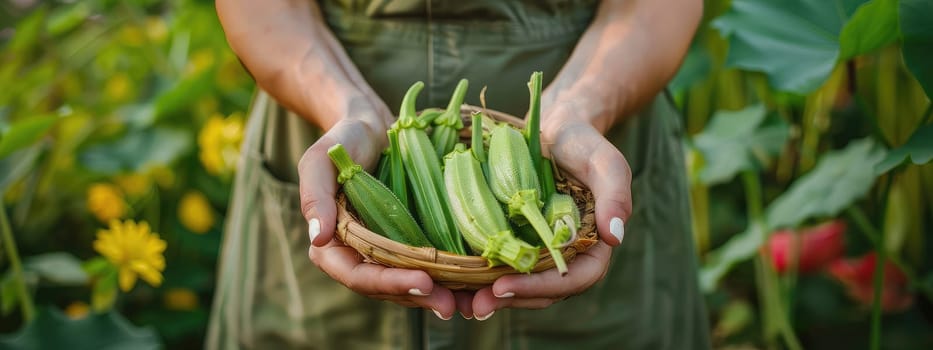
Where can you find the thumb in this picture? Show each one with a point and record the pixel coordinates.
(610, 179)
(605, 172)
(317, 187)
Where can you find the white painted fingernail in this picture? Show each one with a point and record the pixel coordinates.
(465, 317)
(417, 292)
(314, 228)
(617, 228)
(505, 295)
(486, 317)
(438, 314)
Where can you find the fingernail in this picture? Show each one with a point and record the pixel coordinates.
(486, 317)
(465, 317)
(505, 295)
(438, 314)
(617, 228)
(417, 292)
(314, 228)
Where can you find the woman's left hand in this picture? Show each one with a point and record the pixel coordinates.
(582, 152)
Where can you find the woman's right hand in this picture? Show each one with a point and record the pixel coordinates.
(364, 139)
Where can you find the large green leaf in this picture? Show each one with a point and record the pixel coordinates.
(917, 29)
(839, 179)
(738, 140)
(918, 148)
(138, 150)
(52, 330)
(739, 248)
(28, 31)
(24, 133)
(794, 42)
(873, 26)
(65, 18)
(58, 268)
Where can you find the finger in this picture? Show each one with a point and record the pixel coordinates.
(343, 264)
(605, 172)
(441, 302)
(610, 179)
(588, 268)
(464, 301)
(317, 175)
(317, 186)
(485, 303)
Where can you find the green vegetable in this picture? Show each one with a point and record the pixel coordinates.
(532, 131)
(514, 181)
(381, 211)
(562, 211)
(447, 126)
(397, 181)
(478, 215)
(423, 168)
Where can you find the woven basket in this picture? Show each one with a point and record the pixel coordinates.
(459, 272)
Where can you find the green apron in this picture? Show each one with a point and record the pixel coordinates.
(270, 296)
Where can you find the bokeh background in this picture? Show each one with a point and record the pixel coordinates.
(809, 138)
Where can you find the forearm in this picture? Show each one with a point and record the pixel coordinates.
(629, 53)
(294, 57)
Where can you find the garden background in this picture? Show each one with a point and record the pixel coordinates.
(809, 141)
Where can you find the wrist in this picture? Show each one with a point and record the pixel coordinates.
(593, 102)
(326, 99)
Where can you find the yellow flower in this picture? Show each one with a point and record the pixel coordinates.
(199, 62)
(134, 250)
(134, 184)
(132, 36)
(182, 299)
(219, 143)
(162, 176)
(156, 29)
(195, 212)
(106, 202)
(118, 88)
(77, 310)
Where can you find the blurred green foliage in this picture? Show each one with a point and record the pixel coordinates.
(116, 93)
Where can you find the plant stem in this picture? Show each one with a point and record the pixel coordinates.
(699, 205)
(753, 198)
(769, 285)
(25, 299)
(876, 300)
(531, 212)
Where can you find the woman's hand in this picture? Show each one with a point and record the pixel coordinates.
(364, 139)
(581, 151)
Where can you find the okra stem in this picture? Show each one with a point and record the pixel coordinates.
(504, 247)
(346, 168)
(476, 140)
(448, 125)
(533, 125)
(525, 203)
(531, 212)
(429, 115)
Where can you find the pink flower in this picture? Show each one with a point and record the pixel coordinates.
(819, 245)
